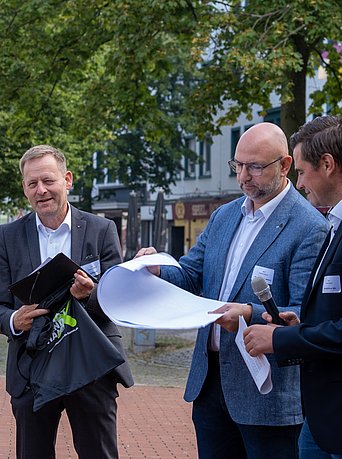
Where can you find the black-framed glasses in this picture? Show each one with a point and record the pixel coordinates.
(252, 168)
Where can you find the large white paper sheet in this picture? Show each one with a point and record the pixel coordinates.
(259, 367)
(133, 297)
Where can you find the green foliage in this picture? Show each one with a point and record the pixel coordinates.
(129, 78)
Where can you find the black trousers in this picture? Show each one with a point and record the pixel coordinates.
(92, 413)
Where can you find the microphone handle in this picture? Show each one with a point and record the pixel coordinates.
(272, 309)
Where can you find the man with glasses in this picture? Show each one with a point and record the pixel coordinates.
(317, 341)
(271, 232)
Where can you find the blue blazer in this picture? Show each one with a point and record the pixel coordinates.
(288, 243)
(317, 344)
(20, 255)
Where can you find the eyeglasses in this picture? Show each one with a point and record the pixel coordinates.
(252, 168)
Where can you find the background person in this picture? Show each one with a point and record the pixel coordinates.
(317, 341)
(54, 226)
(258, 233)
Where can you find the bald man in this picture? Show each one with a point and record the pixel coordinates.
(271, 232)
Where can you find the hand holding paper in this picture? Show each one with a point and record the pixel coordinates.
(259, 367)
(133, 297)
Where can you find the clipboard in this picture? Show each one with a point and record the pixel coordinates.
(46, 279)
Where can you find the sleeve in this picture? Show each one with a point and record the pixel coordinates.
(293, 345)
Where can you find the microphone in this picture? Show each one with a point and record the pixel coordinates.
(263, 292)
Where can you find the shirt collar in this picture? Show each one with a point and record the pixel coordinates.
(66, 221)
(335, 215)
(267, 209)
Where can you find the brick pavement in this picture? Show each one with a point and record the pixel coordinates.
(153, 423)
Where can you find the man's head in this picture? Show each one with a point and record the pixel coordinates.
(45, 183)
(317, 152)
(262, 162)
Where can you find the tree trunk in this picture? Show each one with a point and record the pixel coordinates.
(293, 114)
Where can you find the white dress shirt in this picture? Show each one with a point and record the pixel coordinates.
(51, 242)
(334, 216)
(250, 225)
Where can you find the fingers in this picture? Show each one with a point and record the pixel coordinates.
(24, 316)
(290, 317)
(83, 285)
(145, 251)
(266, 316)
(258, 339)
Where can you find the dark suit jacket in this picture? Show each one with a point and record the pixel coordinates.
(317, 344)
(19, 255)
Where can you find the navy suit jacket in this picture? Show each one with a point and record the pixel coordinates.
(91, 235)
(317, 344)
(288, 243)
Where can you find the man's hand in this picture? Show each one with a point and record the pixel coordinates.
(231, 312)
(149, 251)
(82, 286)
(258, 339)
(289, 317)
(23, 318)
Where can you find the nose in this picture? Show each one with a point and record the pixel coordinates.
(299, 184)
(244, 173)
(41, 189)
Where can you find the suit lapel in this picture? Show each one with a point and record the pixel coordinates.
(223, 244)
(78, 229)
(330, 253)
(33, 241)
(325, 263)
(274, 226)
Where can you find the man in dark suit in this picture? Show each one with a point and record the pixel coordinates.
(316, 342)
(91, 241)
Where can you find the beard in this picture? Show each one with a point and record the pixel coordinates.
(257, 192)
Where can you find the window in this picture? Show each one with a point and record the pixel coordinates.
(273, 116)
(234, 138)
(189, 164)
(205, 158)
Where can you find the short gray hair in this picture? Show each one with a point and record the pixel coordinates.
(39, 151)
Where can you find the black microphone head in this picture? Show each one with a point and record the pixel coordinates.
(261, 288)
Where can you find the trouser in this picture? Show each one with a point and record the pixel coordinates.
(308, 448)
(219, 437)
(92, 414)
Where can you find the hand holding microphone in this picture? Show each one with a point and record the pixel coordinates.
(263, 292)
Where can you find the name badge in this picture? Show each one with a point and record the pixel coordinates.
(93, 268)
(331, 284)
(266, 273)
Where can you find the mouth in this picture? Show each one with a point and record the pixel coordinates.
(247, 186)
(44, 201)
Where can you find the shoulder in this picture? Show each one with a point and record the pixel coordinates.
(90, 218)
(18, 223)
(303, 210)
(229, 208)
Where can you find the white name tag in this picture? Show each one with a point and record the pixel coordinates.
(331, 284)
(265, 273)
(93, 268)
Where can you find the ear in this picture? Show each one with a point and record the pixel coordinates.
(328, 163)
(285, 165)
(68, 180)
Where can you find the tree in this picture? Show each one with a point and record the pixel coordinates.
(63, 80)
(130, 78)
(265, 47)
